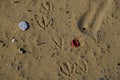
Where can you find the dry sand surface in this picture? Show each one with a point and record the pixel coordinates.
(47, 43)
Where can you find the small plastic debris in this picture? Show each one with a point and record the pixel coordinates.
(23, 25)
(22, 51)
(75, 43)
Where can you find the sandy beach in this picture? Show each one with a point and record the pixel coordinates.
(66, 40)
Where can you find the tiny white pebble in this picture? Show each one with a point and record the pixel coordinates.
(21, 52)
(13, 40)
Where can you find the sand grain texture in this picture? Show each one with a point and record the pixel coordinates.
(47, 43)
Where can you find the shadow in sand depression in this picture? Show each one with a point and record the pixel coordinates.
(80, 23)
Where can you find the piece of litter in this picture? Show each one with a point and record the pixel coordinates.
(75, 43)
(23, 25)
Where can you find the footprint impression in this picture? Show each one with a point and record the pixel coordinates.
(89, 25)
(44, 21)
(70, 68)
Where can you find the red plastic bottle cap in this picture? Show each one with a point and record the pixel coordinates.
(75, 43)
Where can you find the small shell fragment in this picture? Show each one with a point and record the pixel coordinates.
(13, 40)
(23, 25)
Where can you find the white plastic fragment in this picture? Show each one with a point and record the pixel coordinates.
(23, 25)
